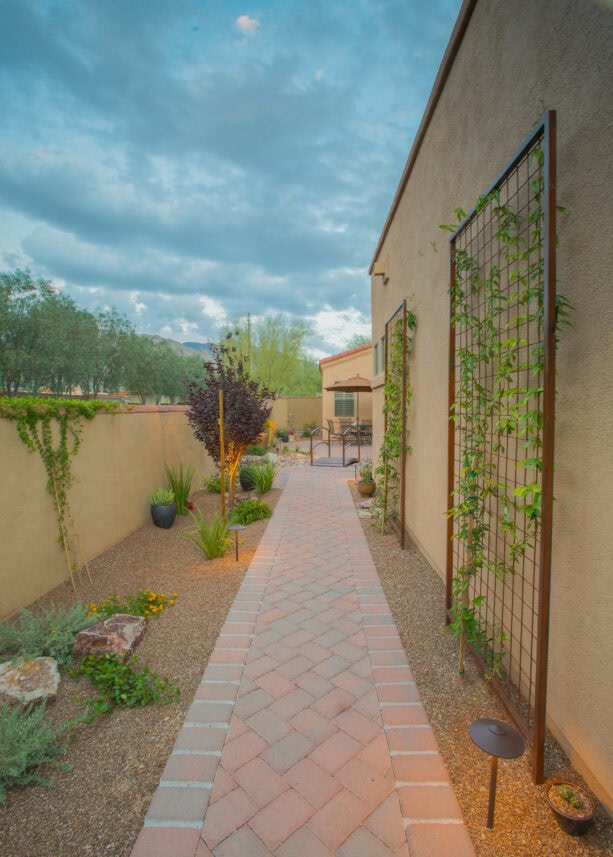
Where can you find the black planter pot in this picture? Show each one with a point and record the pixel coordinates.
(245, 477)
(164, 516)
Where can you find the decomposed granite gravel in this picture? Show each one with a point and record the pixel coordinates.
(98, 806)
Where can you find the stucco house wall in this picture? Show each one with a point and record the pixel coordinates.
(506, 64)
(340, 367)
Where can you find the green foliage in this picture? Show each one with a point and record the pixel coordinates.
(282, 434)
(275, 351)
(247, 511)
(27, 741)
(571, 797)
(308, 429)
(397, 386)
(36, 420)
(498, 314)
(145, 603)
(213, 484)
(161, 497)
(246, 476)
(357, 340)
(213, 539)
(255, 449)
(180, 481)
(49, 634)
(124, 684)
(264, 475)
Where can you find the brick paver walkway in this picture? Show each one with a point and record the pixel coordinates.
(306, 736)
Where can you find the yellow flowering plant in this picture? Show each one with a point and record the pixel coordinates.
(145, 603)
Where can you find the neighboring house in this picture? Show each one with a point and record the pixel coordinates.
(341, 407)
(505, 66)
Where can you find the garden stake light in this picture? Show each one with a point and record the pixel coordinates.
(235, 529)
(500, 740)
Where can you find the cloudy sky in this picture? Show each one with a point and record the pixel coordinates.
(190, 161)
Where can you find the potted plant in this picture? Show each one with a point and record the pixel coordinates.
(366, 485)
(163, 507)
(571, 805)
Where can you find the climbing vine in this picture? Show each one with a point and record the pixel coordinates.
(397, 380)
(53, 428)
(497, 309)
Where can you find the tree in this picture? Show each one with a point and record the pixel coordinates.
(20, 334)
(140, 359)
(247, 405)
(274, 350)
(357, 340)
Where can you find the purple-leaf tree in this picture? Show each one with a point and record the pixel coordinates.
(247, 405)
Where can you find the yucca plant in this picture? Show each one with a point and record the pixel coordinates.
(180, 481)
(214, 539)
(264, 475)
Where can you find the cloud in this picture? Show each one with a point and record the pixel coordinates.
(246, 25)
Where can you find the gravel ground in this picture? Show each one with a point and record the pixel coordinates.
(97, 808)
(524, 825)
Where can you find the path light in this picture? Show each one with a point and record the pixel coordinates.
(235, 529)
(500, 740)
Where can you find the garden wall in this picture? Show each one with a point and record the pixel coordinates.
(508, 63)
(296, 412)
(120, 462)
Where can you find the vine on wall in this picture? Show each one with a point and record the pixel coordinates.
(497, 309)
(397, 379)
(53, 428)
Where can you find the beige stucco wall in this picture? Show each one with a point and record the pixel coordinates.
(515, 61)
(296, 412)
(120, 462)
(340, 367)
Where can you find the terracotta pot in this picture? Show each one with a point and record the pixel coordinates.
(575, 825)
(366, 488)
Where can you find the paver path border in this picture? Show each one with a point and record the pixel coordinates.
(306, 736)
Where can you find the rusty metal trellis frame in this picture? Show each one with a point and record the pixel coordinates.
(399, 316)
(516, 604)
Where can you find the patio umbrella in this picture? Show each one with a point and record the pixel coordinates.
(356, 385)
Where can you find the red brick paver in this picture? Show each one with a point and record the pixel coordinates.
(307, 736)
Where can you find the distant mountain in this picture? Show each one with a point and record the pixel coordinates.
(198, 346)
(184, 349)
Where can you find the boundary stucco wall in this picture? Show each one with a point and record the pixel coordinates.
(120, 462)
(296, 412)
(514, 62)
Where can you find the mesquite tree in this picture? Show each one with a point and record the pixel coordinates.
(247, 405)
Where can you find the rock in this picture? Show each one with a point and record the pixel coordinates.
(32, 680)
(117, 635)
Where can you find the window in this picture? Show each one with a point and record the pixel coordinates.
(343, 404)
(375, 353)
(383, 353)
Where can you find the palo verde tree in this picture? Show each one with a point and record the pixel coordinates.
(247, 405)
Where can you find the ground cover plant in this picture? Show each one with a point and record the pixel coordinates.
(247, 511)
(145, 603)
(27, 741)
(50, 633)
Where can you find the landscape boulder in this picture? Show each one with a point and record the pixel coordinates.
(119, 635)
(29, 680)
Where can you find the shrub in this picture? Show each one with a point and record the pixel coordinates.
(27, 741)
(282, 434)
(124, 684)
(255, 450)
(247, 511)
(308, 428)
(212, 540)
(145, 603)
(264, 476)
(49, 634)
(180, 481)
(161, 497)
(246, 477)
(213, 484)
